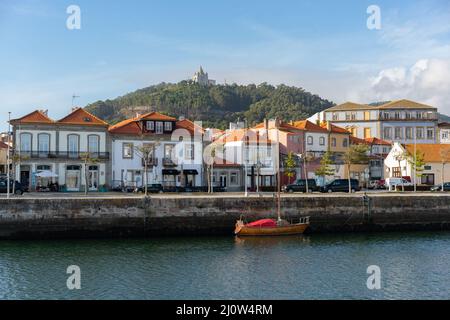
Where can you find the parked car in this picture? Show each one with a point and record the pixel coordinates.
(341, 185)
(19, 189)
(394, 182)
(151, 188)
(300, 186)
(376, 184)
(439, 187)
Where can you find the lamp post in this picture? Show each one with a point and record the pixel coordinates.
(8, 157)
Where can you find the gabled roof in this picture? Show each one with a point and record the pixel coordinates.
(334, 128)
(431, 152)
(129, 126)
(37, 116)
(282, 126)
(350, 106)
(405, 104)
(355, 140)
(80, 116)
(156, 116)
(307, 125)
(377, 141)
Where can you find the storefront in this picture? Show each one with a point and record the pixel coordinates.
(169, 178)
(189, 177)
(73, 178)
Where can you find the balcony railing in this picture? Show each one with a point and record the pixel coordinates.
(24, 155)
(152, 162)
(168, 162)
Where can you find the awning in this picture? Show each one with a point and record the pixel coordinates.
(46, 174)
(170, 172)
(194, 172)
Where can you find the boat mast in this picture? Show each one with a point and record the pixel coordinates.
(278, 174)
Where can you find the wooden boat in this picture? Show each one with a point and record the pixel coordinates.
(271, 227)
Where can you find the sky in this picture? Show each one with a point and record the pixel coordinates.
(323, 46)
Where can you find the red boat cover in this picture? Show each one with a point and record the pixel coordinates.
(267, 223)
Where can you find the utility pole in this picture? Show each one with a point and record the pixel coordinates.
(73, 99)
(8, 157)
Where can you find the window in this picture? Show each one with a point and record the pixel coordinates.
(189, 155)
(345, 143)
(347, 116)
(159, 127)
(168, 151)
(234, 178)
(25, 142)
(127, 150)
(366, 115)
(73, 144)
(385, 150)
(310, 140)
(333, 142)
(168, 126)
(419, 133)
(444, 135)
(397, 115)
(353, 116)
(375, 149)
(409, 133)
(430, 133)
(386, 115)
(353, 131)
(419, 115)
(93, 144)
(367, 133)
(335, 116)
(43, 168)
(44, 143)
(387, 133)
(408, 115)
(397, 172)
(150, 125)
(427, 168)
(398, 133)
(322, 141)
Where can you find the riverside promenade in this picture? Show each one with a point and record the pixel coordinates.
(111, 215)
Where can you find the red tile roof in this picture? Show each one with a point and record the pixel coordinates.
(334, 128)
(37, 116)
(309, 126)
(376, 141)
(80, 116)
(189, 125)
(157, 116)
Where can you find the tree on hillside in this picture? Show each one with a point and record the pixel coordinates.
(356, 154)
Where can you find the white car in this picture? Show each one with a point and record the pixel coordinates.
(394, 182)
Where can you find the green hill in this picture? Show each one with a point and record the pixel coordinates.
(215, 105)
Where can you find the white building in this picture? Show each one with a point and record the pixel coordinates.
(444, 133)
(176, 160)
(401, 121)
(202, 78)
(60, 149)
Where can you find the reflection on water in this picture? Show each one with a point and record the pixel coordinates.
(413, 265)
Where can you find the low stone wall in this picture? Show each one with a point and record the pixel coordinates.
(140, 217)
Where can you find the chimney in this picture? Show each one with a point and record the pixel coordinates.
(273, 124)
(45, 112)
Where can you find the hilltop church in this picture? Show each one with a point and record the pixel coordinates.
(202, 78)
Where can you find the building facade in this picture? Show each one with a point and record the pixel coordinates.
(176, 157)
(64, 155)
(436, 158)
(401, 121)
(3, 157)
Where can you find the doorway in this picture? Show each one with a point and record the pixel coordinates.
(93, 178)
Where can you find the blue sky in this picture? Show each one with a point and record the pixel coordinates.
(323, 46)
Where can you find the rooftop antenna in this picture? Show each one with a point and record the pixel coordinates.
(73, 99)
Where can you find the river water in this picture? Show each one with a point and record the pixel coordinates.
(413, 266)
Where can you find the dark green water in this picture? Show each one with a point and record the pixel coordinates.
(413, 266)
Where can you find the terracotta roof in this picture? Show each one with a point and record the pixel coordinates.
(355, 140)
(334, 128)
(309, 126)
(431, 152)
(129, 126)
(37, 116)
(283, 126)
(405, 104)
(189, 125)
(376, 141)
(81, 117)
(156, 116)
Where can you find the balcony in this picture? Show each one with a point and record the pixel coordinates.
(152, 162)
(64, 155)
(169, 162)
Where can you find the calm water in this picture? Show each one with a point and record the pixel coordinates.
(413, 265)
